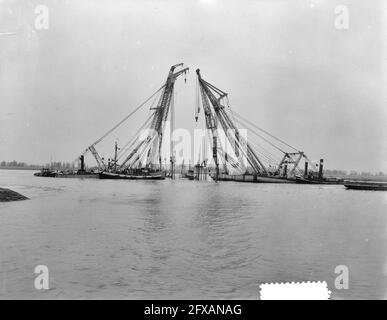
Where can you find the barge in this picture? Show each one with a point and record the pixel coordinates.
(250, 178)
(366, 185)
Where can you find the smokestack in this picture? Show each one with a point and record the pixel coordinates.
(321, 167)
(82, 158)
(306, 169)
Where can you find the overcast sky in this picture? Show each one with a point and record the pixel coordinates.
(283, 63)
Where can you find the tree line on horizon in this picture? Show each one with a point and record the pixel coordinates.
(54, 165)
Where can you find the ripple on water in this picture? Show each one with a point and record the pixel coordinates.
(179, 239)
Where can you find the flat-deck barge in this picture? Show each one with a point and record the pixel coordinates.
(366, 185)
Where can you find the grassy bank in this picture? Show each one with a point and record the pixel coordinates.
(9, 195)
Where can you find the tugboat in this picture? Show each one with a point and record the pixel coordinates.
(82, 173)
(46, 172)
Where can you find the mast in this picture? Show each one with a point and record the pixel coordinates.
(151, 146)
(172, 147)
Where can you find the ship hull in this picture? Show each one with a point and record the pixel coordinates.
(77, 175)
(307, 181)
(250, 178)
(264, 179)
(121, 176)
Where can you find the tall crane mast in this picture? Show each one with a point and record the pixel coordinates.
(161, 114)
(211, 124)
(242, 149)
(153, 140)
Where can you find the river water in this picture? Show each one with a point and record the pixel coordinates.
(187, 240)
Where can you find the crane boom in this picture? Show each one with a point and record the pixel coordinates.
(242, 149)
(100, 162)
(153, 142)
(157, 124)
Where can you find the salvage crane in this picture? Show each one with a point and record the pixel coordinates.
(248, 161)
(139, 149)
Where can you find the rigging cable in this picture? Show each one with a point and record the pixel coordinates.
(127, 117)
(255, 133)
(130, 143)
(269, 134)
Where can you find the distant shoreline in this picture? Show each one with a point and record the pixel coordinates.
(359, 177)
(345, 177)
(21, 168)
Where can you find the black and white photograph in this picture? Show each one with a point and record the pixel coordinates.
(167, 150)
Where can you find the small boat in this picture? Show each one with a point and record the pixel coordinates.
(366, 185)
(77, 174)
(328, 180)
(137, 175)
(190, 174)
(46, 172)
